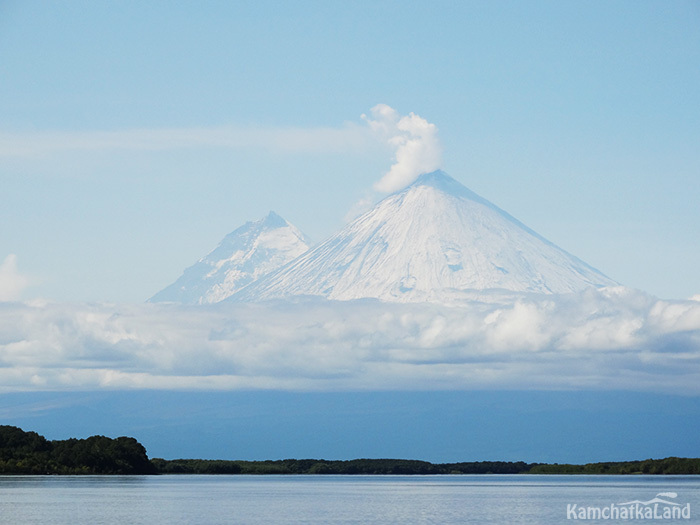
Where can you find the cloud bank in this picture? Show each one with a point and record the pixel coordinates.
(608, 339)
(12, 283)
(417, 149)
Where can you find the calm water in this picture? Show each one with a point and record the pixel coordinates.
(170, 500)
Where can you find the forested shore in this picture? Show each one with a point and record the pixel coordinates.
(671, 465)
(30, 453)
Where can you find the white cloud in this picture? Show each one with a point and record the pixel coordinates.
(12, 283)
(417, 149)
(600, 339)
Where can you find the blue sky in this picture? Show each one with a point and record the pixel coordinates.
(580, 119)
(135, 135)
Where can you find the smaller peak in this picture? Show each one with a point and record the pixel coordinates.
(274, 220)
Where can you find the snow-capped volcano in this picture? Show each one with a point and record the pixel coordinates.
(244, 255)
(433, 241)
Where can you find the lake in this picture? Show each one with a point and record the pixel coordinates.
(189, 499)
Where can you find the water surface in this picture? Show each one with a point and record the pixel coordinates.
(188, 499)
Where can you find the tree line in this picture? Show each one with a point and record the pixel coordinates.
(30, 453)
(404, 466)
(672, 465)
(322, 466)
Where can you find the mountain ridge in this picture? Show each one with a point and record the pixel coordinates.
(433, 241)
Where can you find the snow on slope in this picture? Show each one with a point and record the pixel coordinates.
(434, 241)
(243, 256)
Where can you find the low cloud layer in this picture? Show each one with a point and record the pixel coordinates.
(607, 339)
(417, 149)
